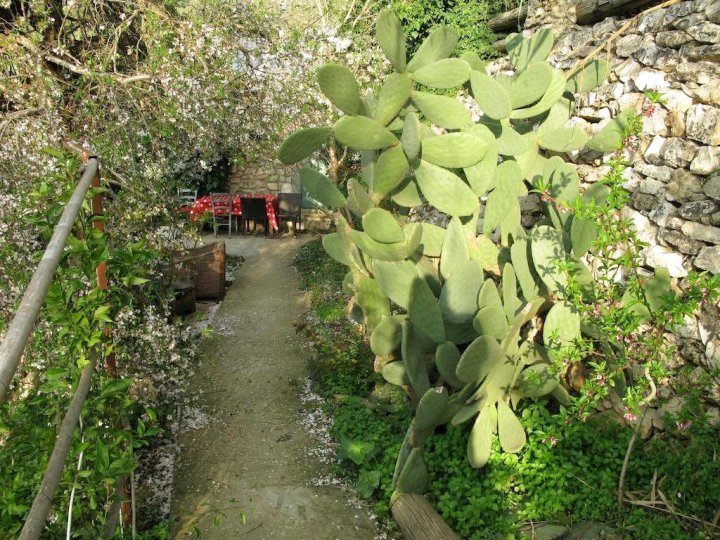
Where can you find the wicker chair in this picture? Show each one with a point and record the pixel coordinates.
(253, 209)
(221, 211)
(289, 208)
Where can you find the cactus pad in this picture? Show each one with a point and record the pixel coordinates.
(459, 296)
(381, 226)
(510, 430)
(439, 44)
(445, 190)
(302, 143)
(320, 188)
(393, 97)
(454, 150)
(490, 95)
(363, 133)
(447, 357)
(340, 87)
(390, 37)
(445, 73)
(443, 111)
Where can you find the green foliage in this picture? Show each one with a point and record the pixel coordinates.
(468, 18)
(566, 473)
(73, 319)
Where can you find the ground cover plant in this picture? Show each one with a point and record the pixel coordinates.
(472, 319)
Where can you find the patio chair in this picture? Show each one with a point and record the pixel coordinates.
(187, 196)
(253, 208)
(221, 211)
(289, 208)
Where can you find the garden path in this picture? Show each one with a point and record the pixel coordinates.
(252, 457)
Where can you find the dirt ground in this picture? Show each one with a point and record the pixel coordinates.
(248, 472)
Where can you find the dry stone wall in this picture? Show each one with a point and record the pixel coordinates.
(674, 179)
(264, 177)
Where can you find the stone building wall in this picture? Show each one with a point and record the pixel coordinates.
(674, 179)
(264, 177)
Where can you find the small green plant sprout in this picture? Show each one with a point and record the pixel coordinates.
(468, 327)
(654, 99)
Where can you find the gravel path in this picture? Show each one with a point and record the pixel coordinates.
(247, 473)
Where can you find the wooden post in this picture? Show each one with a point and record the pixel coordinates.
(510, 20)
(418, 520)
(592, 11)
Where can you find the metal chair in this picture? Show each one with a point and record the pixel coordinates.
(253, 208)
(289, 207)
(187, 196)
(221, 211)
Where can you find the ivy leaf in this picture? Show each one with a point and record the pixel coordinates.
(356, 451)
(367, 483)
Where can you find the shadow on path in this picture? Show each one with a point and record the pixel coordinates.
(250, 463)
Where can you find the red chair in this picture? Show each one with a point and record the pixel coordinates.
(221, 211)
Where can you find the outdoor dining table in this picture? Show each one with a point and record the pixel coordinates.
(204, 204)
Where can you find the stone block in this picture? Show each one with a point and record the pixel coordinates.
(663, 213)
(662, 257)
(677, 11)
(649, 79)
(702, 123)
(712, 12)
(697, 72)
(677, 100)
(672, 38)
(655, 124)
(651, 22)
(704, 233)
(628, 69)
(712, 187)
(693, 211)
(674, 223)
(628, 45)
(705, 32)
(709, 259)
(646, 231)
(706, 161)
(706, 93)
(675, 122)
(677, 152)
(651, 187)
(680, 242)
(604, 27)
(631, 100)
(699, 53)
(684, 187)
(658, 172)
(643, 201)
(664, 59)
(691, 21)
(652, 153)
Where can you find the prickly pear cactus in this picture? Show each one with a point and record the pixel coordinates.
(467, 327)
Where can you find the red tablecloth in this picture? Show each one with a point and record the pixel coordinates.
(204, 204)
